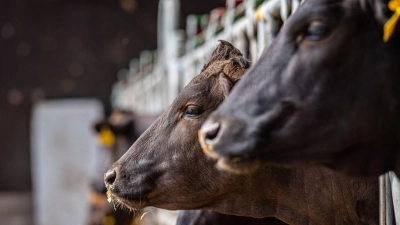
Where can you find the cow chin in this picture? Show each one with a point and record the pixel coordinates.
(238, 165)
(133, 204)
(125, 198)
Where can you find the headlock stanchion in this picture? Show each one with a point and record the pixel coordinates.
(152, 82)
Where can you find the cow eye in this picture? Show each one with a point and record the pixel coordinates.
(316, 31)
(192, 111)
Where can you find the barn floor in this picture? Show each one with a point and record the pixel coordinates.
(15, 208)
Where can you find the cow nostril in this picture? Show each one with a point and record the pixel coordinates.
(110, 177)
(210, 131)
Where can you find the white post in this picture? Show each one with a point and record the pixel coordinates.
(169, 10)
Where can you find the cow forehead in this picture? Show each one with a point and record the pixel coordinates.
(215, 68)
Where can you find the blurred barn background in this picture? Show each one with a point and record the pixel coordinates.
(56, 49)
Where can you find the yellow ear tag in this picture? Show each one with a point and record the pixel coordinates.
(106, 137)
(259, 16)
(388, 28)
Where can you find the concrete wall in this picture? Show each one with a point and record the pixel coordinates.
(63, 157)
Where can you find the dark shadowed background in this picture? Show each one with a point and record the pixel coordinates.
(53, 49)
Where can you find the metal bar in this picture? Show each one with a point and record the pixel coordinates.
(147, 93)
(382, 200)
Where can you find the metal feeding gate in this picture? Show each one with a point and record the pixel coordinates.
(154, 80)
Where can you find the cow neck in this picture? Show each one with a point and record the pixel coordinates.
(303, 196)
(319, 196)
(298, 198)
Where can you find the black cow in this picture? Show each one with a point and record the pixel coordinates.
(324, 93)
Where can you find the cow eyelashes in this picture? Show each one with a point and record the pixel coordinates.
(316, 31)
(192, 111)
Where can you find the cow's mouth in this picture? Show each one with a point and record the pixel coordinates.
(238, 165)
(234, 164)
(131, 201)
(133, 204)
(286, 158)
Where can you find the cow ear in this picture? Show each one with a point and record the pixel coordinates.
(236, 69)
(226, 51)
(225, 85)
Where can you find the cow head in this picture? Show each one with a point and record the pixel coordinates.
(168, 158)
(325, 92)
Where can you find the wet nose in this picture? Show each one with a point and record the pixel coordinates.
(208, 134)
(109, 177)
(210, 131)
